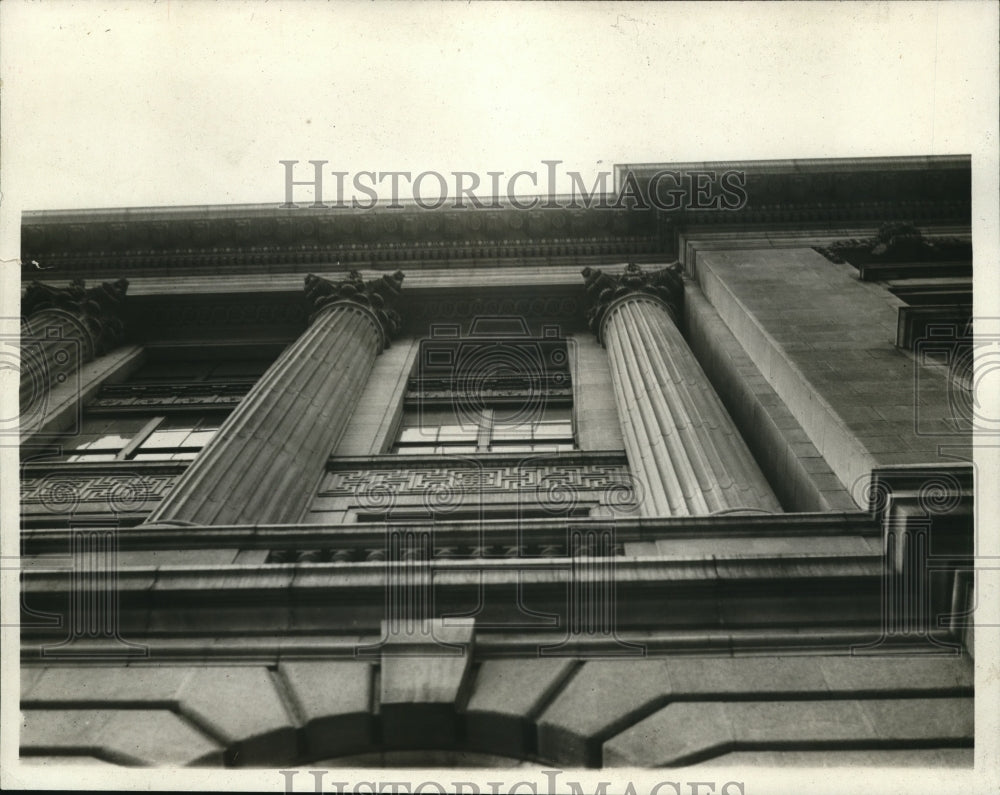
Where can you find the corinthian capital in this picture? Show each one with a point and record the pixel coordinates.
(604, 289)
(100, 309)
(379, 295)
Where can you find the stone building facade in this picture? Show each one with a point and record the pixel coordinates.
(636, 486)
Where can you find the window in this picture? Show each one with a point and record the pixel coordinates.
(142, 437)
(168, 409)
(488, 394)
(204, 370)
(548, 429)
(166, 380)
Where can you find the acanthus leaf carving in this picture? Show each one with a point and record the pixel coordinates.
(99, 308)
(379, 295)
(603, 289)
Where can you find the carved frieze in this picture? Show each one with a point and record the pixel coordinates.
(551, 384)
(114, 396)
(457, 476)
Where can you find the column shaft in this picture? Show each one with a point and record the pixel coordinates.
(264, 463)
(680, 441)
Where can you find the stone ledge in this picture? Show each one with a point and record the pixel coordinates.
(790, 525)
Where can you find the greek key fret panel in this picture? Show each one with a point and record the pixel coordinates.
(114, 492)
(516, 477)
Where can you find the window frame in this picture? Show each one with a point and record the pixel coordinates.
(134, 447)
(486, 441)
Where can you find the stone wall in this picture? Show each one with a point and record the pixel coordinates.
(559, 711)
(825, 342)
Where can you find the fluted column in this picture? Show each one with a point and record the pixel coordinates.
(681, 443)
(64, 328)
(264, 463)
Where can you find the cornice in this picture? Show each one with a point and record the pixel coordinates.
(709, 593)
(627, 528)
(260, 237)
(229, 239)
(492, 643)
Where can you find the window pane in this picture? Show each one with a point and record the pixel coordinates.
(511, 448)
(102, 435)
(428, 418)
(81, 442)
(199, 438)
(106, 433)
(557, 414)
(166, 371)
(415, 449)
(172, 432)
(166, 438)
(554, 430)
(125, 425)
(410, 435)
(455, 448)
(211, 422)
(238, 369)
(503, 431)
(448, 433)
(91, 457)
(108, 441)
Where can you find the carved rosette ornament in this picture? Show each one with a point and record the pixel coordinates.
(100, 309)
(378, 295)
(604, 289)
(681, 444)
